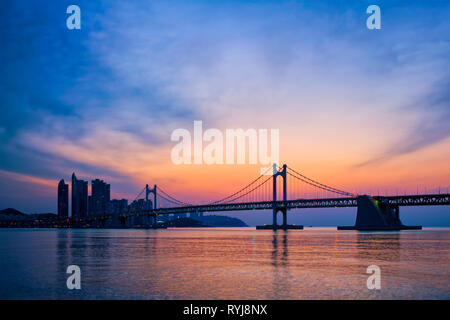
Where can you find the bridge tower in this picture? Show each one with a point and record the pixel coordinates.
(279, 206)
(147, 192)
(275, 207)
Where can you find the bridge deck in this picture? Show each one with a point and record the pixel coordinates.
(406, 200)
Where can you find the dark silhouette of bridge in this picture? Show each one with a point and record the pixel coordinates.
(373, 213)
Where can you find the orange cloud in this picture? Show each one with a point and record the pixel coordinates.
(49, 183)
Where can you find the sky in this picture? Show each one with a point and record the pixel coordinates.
(361, 110)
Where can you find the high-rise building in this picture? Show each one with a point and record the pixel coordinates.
(116, 207)
(100, 196)
(139, 208)
(79, 197)
(63, 199)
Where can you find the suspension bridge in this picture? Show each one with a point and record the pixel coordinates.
(296, 191)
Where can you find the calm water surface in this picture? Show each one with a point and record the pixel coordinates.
(238, 263)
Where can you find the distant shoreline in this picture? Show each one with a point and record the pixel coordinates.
(12, 218)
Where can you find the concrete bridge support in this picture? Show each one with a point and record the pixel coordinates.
(373, 215)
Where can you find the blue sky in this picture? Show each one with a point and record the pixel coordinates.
(367, 108)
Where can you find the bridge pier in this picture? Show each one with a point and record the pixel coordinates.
(283, 212)
(274, 216)
(377, 215)
(275, 225)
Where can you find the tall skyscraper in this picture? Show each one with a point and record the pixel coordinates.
(100, 196)
(63, 199)
(79, 197)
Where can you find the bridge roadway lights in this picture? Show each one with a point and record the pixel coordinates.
(376, 215)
